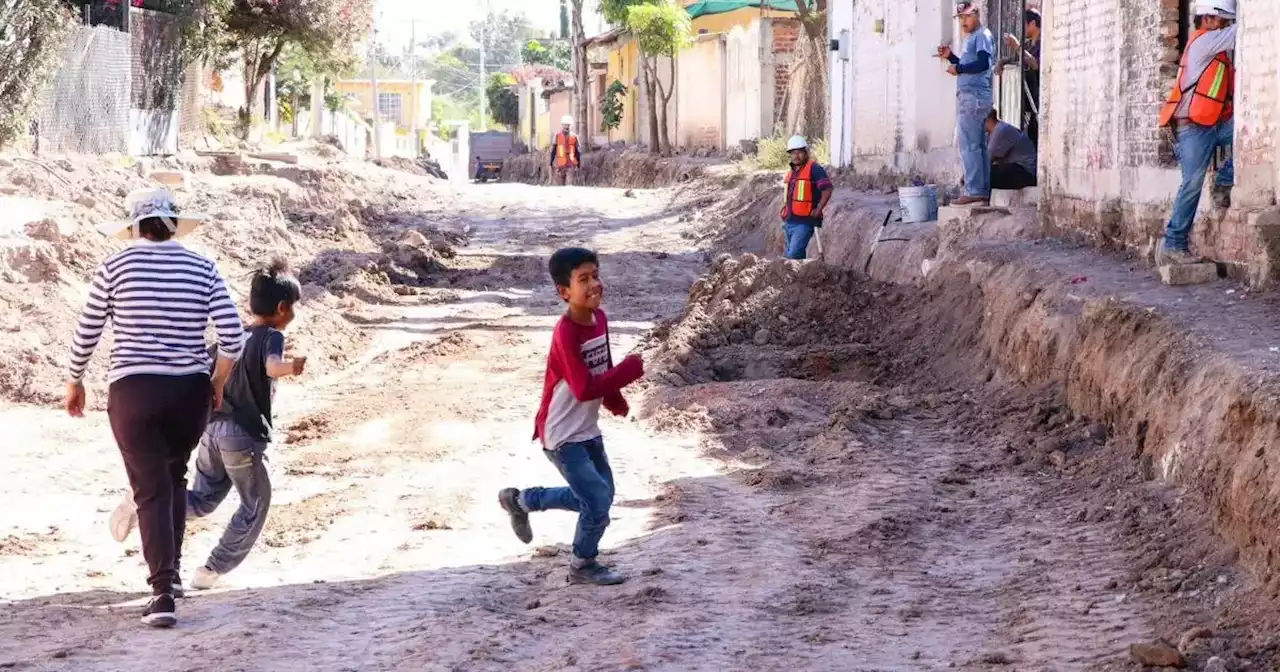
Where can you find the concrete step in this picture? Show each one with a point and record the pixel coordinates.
(1015, 198)
(1189, 274)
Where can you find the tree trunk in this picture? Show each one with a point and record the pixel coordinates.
(651, 94)
(256, 68)
(807, 97)
(580, 76)
(664, 128)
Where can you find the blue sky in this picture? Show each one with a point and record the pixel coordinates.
(439, 16)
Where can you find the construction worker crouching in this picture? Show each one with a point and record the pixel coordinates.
(808, 192)
(565, 155)
(1199, 110)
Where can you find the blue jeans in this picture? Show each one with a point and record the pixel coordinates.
(971, 122)
(230, 458)
(1195, 147)
(798, 236)
(585, 468)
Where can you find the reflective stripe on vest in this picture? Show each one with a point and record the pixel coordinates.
(564, 147)
(1211, 95)
(800, 201)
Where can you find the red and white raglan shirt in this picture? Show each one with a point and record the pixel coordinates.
(581, 378)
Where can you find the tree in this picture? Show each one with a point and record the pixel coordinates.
(558, 56)
(578, 38)
(661, 30)
(615, 11)
(611, 108)
(504, 105)
(807, 97)
(259, 30)
(503, 34)
(564, 20)
(31, 37)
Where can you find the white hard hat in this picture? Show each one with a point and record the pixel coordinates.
(566, 120)
(1223, 8)
(797, 142)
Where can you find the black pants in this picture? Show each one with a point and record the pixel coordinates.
(1011, 176)
(157, 422)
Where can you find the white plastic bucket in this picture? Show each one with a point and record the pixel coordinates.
(919, 204)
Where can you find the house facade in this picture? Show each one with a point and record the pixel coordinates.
(403, 102)
(1106, 168)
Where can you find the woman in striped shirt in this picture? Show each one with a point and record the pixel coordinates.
(159, 297)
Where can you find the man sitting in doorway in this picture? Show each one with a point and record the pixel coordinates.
(1199, 109)
(1013, 155)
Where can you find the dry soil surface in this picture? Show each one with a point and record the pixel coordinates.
(801, 487)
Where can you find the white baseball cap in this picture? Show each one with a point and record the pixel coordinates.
(153, 202)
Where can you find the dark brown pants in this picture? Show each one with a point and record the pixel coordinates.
(157, 422)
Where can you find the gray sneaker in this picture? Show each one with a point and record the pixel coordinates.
(124, 518)
(509, 498)
(595, 574)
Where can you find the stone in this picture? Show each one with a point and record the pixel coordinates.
(762, 337)
(1215, 664)
(1191, 636)
(1015, 198)
(1188, 274)
(1098, 432)
(1156, 654)
(174, 179)
(1058, 459)
(6, 163)
(87, 201)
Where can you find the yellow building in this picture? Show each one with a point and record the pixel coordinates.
(398, 100)
(614, 57)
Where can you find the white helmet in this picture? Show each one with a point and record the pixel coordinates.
(566, 120)
(797, 142)
(1224, 8)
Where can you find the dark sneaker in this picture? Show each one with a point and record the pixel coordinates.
(1221, 197)
(160, 612)
(595, 574)
(510, 501)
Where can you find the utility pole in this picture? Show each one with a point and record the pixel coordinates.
(373, 75)
(413, 87)
(484, 88)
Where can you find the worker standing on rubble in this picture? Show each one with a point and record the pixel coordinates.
(160, 297)
(808, 192)
(1199, 110)
(972, 70)
(565, 155)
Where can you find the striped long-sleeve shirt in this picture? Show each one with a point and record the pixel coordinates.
(160, 297)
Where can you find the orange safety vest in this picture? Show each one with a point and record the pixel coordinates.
(802, 197)
(566, 146)
(1212, 94)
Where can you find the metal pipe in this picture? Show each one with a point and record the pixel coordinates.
(1022, 65)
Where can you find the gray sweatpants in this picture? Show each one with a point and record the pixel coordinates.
(229, 458)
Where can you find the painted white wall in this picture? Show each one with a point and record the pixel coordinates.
(701, 94)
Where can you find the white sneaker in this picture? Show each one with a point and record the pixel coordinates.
(205, 579)
(124, 518)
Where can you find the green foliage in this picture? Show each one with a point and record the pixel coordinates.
(503, 103)
(771, 152)
(616, 11)
(559, 55)
(662, 28)
(611, 106)
(32, 35)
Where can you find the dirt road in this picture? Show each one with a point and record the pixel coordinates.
(797, 499)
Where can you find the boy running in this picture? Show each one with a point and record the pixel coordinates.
(580, 379)
(232, 452)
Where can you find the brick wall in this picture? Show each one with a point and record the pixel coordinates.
(786, 32)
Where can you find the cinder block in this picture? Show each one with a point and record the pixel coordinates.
(1015, 198)
(282, 157)
(1188, 274)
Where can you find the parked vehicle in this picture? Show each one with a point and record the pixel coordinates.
(490, 149)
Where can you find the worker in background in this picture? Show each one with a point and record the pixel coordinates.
(1030, 72)
(1199, 110)
(972, 70)
(565, 155)
(808, 192)
(1013, 155)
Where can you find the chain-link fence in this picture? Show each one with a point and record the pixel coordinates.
(120, 92)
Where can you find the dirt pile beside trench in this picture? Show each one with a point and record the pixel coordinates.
(825, 381)
(371, 224)
(612, 168)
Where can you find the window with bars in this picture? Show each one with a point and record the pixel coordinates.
(389, 106)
